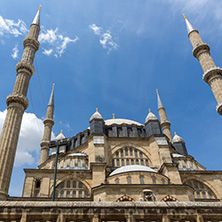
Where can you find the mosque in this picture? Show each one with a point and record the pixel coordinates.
(116, 169)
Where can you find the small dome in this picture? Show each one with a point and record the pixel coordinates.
(60, 136)
(177, 139)
(132, 168)
(150, 116)
(96, 115)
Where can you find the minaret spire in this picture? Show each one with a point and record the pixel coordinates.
(36, 20)
(190, 28)
(212, 74)
(17, 103)
(48, 123)
(164, 122)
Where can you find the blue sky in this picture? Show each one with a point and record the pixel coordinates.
(113, 55)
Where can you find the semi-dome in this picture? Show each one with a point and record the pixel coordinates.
(110, 122)
(150, 116)
(96, 115)
(132, 168)
(177, 139)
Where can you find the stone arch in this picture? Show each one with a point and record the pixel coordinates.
(201, 180)
(125, 198)
(169, 198)
(201, 189)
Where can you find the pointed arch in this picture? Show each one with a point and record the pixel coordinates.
(169, 198)
(125, 198)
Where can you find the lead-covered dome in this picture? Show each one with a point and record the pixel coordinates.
(96, 115)
(177, 139)
(110, 122)
(132, 168)
(150, 116)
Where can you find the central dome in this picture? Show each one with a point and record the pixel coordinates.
(110, 122)
(132, 168)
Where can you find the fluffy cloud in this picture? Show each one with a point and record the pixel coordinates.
(57, 42)
(31, 133)
(15, 52)
(105, 38)
(47, 52)
(8, 26)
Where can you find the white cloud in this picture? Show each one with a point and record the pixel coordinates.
(8, 26)
(105, 38)
(65, 40)
(57, 41)
(47, 52)
(28, 150)
(15, 52)
(97, 30)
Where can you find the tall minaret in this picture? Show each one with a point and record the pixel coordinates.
(212, 74)
(48, 123)
(164, 122)
(17, 103)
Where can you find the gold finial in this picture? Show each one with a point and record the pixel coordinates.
(157, 91)
(149, 111)
(53, 85)
(113, 115)
(40, 7)
(175, 133)
(96, 109)
(184, 16)
(61, 131)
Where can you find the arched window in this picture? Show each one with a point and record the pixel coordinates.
(129, 156)
(141, 179)
(72, 189)
(154, 180)
(117, 180)
(129, 181)
(37, 187)
(201, 191)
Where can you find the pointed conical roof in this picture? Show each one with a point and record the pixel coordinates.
(96, 115)
(60, 136)
(150, 116)
(190, 28)
(177, 139)
(159, 102)
(51, 100)
(36, 20)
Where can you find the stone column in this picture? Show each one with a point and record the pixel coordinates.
(17, 103)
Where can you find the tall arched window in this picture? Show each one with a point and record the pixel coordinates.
(72, 189)
(201, 191)
(129, 181)
(141, 179)
(129, 156)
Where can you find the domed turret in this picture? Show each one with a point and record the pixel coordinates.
(179, 144)
(60, 136)
(150, 116)
(96, 123)
(95, 115)
(152, 125)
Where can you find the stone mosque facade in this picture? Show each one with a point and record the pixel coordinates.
(115, 170)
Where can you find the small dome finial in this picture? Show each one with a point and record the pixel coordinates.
(61, 131)
(40, 7)
(184, 16)
(113, 115)
(96, 109)
(175, 133)
(157, 92)
(149, 111)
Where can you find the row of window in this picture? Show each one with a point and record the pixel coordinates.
(187, 165)
(73, 163)
(124, 162)
(141, 179)
(128, 132)
(129, 152)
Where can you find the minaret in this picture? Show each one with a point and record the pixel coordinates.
(164, 122)
(17, 103)
(48, 123)
(212, 74)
